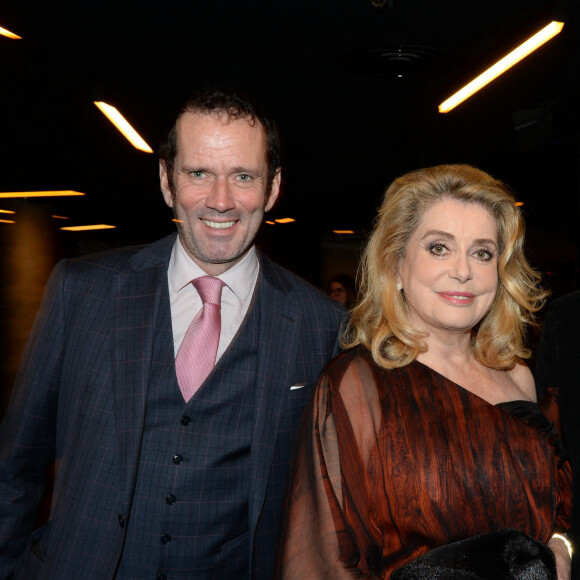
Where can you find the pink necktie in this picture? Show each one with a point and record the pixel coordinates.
(196, 356)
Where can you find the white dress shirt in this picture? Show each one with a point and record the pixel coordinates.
(185, 302)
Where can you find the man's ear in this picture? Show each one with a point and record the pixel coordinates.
(275, 190)
(165, 181)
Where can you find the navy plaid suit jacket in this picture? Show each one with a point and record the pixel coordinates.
(80, 399)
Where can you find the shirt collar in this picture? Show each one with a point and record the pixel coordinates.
(240, 278)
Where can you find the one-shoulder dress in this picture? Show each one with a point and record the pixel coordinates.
(390, 464)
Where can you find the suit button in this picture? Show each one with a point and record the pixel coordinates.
(161, 577)
(170, 499)
(177, 459)
(185, 420)
(165, 539)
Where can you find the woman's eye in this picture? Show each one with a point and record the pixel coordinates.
(438, 249)
(483, 255)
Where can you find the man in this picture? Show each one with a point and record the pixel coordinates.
(155, 479)
(558, 366)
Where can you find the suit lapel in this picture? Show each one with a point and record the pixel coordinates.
(279, 329)
(136, 304)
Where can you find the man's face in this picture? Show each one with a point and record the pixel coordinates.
(219, 188)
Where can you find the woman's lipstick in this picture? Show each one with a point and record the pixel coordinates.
(458, 298)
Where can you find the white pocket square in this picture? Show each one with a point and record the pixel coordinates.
(297, 386)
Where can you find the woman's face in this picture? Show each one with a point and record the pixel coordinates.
(449, 271)
(338, 292)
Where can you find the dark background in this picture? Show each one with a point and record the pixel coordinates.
(355, 89)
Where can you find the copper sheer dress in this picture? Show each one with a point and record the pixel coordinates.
(393, 463)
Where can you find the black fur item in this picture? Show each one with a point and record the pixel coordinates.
(504, 555)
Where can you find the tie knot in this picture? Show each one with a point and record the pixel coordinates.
(209, 289)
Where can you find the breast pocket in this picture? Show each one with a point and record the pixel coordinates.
(297, 398)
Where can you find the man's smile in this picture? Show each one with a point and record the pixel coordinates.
(218, 225)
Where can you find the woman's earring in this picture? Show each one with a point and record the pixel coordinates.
(399, 286)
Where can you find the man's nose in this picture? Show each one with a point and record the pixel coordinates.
(220, 197)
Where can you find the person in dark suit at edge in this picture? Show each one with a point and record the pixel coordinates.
(558, 365)
(152, 482)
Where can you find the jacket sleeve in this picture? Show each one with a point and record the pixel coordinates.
(27, 433)
(546, 371)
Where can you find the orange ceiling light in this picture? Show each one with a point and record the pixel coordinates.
(342, 231)
(502, 65)
(88, 228)
(285, 220)
(62, 193)
(7, 222)
(9, 34)
(123, 126)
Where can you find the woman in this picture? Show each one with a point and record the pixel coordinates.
(426, 433)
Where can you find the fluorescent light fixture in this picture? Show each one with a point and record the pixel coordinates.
(123, 126)
(285, 220)
(64, 193)
(270, 223)
(6, 211)
(7, 222)
(9, 34)
(502, 65)
(342, 231)
(87, 228)
(59, 217)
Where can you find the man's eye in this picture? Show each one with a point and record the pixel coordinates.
(244, 177)
(197, 173)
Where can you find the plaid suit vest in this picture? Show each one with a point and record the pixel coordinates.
(189, 517)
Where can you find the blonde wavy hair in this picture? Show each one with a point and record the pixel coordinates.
(380, 320)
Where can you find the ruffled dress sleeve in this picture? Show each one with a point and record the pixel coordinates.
(322, 537)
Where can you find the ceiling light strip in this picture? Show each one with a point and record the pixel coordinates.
(88, 228)
(123, 126)
(9, 34)
(533, 43)
(64, 193)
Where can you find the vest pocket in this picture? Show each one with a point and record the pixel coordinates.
(234, 542)
(35, 545)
